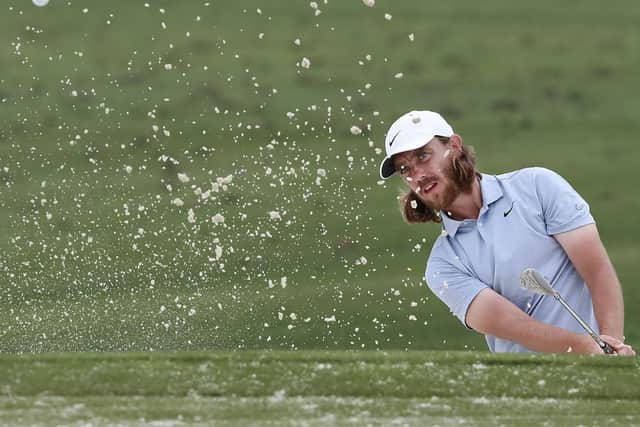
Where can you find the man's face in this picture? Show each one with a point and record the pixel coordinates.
(428, 170)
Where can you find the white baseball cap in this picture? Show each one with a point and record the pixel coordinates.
(411, 131)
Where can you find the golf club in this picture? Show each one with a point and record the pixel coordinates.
(532, 280)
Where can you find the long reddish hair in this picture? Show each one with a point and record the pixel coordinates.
(463, 173)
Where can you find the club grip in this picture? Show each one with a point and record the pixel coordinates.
(607, 348)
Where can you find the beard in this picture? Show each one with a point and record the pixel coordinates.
(453, 185)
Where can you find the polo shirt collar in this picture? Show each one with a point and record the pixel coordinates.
(491, 192)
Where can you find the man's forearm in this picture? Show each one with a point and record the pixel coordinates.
(492, 314)
(590, 258)
(608, 304)
(542, 337)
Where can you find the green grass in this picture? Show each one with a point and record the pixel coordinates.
(536, 84)
(318, 388)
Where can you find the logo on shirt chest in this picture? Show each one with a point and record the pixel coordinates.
(507, 212)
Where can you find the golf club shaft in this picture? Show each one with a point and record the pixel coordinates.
(603, 345)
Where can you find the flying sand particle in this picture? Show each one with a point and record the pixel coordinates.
(274, 215)
(217, 219)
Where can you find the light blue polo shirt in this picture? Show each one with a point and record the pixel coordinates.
(521, 211)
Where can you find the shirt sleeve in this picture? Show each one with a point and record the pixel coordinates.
(456, 288)
(563, 208)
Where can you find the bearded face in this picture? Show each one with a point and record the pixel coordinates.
(436, 173)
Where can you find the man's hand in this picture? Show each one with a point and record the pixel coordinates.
(586, 345)
(621, 349)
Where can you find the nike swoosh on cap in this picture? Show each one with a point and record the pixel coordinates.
(394, 138)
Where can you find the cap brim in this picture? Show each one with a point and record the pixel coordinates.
(387, 168)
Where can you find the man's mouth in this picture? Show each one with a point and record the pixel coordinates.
(428, 187)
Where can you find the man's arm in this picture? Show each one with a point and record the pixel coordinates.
(588, 255)
(492, 314)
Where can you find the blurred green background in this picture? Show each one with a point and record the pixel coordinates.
(176, 175)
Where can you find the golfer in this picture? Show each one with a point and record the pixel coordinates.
(493, 228)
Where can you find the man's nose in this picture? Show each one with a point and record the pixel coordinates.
(420, 178)
(416, 179)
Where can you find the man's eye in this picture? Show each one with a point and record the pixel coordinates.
(402, 170)
(423, 156)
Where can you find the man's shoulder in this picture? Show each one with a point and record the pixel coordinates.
(525, 174)
(527, 178)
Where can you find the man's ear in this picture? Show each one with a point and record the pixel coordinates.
(456, 141)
